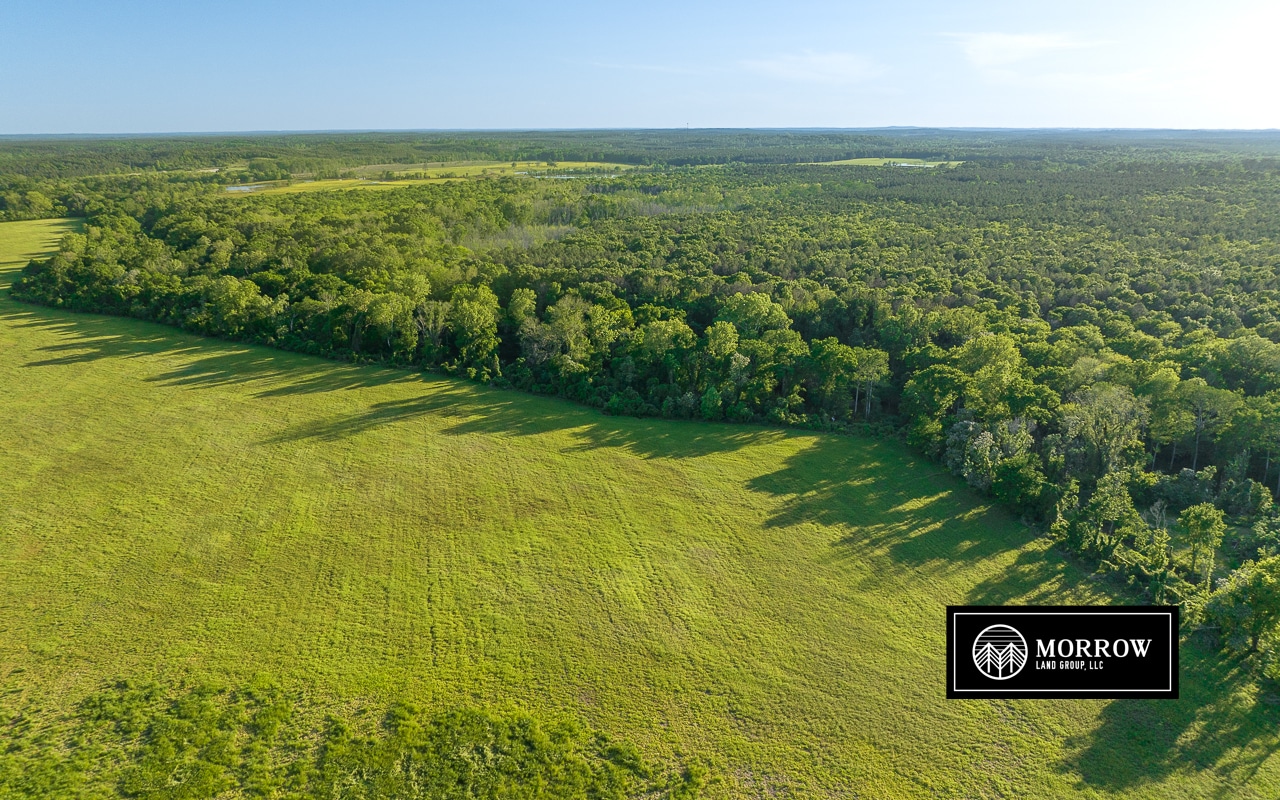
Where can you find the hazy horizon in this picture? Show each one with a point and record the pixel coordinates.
(511, 130)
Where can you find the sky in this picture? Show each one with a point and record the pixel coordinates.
(111, 66)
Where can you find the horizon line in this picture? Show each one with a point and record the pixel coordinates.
(530, 130)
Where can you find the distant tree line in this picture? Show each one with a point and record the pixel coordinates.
(325, 154)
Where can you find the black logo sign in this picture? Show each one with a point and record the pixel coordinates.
(1098, 652)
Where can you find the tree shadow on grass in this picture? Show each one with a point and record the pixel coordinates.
(883, 498)
(91, 337)
(210, 362)
(890, 508)
(477, 410)
(1036, 577)
(902, 516)
(472, 409)
(1220, 726)
(285, 373)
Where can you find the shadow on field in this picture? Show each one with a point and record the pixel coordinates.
(289, 373)
(887, 503)
(211, 363)
(477, 410)
(1035, 577)
(90, 338)
(1218, 726)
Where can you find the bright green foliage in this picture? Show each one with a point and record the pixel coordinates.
(1208, 409)
(930, 397)
(391, 318)
(835, 374)
(470, 754)
(1204, 528)
(1108, 519)
(1247, 607)
(155, 743)
(1102, 430)
(473, 317)
(232, 307)
(754, 313)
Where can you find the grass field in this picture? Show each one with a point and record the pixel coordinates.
(437, 173)
(882, 162)
(328, 185)
(473, 168)
(179, 507)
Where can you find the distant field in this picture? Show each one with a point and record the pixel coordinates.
(881, 162)
(328, 185)
(771, 600)
(469, 168)
(433, 173)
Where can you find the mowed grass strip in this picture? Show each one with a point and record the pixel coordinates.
(185, 508)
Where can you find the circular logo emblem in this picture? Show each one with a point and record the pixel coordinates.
(999, 652)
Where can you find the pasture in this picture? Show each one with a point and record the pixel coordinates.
(463, 169)
(185, 508)
(437, 172)
(885, 162)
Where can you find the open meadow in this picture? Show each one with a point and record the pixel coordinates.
(372, 177)
(183, 508)
(885, 162)
(465, 169)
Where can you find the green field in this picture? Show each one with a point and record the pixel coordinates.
(884, 162)
(330, 184)
(180, 507)
(433, 173)
(473, 168)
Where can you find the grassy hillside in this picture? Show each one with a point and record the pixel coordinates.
(179, 507)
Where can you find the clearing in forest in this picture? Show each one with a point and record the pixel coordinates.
(885, 162)
(373, 177)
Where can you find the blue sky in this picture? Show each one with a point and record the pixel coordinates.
(142, 66)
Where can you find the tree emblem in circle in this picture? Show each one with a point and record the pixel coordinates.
(999, 652)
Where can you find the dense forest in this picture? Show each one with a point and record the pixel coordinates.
(1084, 327)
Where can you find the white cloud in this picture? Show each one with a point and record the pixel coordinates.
(995, 50)
(810, 67)
(1235, 69)
(1215, 68)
